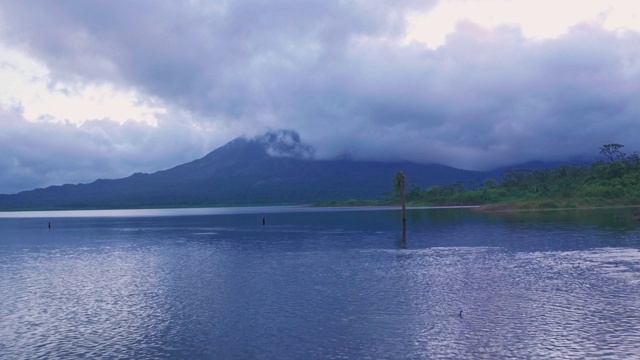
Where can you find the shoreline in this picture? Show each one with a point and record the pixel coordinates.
(197, 210)
(514, 207)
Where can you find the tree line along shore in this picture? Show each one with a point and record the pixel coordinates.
(613, 181)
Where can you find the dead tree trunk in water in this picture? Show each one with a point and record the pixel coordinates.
(399, 183)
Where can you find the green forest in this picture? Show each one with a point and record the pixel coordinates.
(613, 181)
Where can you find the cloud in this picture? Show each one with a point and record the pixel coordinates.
(203, 57)
(339, 73)
(285, 143)
(39, 154)
(487, 98)
(27, 84)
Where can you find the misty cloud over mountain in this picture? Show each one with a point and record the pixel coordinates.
(285, 143)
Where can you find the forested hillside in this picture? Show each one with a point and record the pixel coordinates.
(612, 181)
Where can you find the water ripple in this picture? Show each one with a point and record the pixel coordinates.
(206, 291)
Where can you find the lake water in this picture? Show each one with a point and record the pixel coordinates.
(319, 284)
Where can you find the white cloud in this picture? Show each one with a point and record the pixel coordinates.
(27, 84)
(537, 19)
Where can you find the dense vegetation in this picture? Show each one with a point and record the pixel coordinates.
(613, 181)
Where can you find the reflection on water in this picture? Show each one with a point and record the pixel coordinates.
(321, 285)
(82, 304)
(620, 218)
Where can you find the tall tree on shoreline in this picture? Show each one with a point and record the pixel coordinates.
(399, 183)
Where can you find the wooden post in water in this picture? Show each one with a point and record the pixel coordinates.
(399, 183)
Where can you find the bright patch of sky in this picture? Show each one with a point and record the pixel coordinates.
(27, 85)
(537, 19)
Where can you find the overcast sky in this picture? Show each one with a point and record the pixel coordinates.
(103, 89)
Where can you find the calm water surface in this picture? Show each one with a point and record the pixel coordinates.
(319, 283)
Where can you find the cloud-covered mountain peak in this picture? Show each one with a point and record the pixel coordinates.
(285, 143)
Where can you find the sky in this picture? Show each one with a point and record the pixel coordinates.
(104, 89)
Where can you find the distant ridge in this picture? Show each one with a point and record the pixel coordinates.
(275, 168)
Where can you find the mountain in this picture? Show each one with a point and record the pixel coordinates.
(276, 168)
(541, 165)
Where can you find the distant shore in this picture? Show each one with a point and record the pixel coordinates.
(531, 205)
(194, 211)
(516, 207)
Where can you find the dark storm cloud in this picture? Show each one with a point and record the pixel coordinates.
(490, 98)
(210, 57)
(338, 73)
